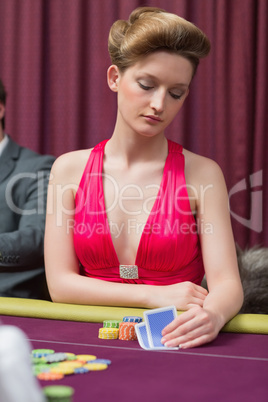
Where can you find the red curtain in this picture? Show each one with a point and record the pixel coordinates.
(53, 61)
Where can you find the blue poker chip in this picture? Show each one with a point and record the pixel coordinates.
(132, 318)
(81, 370)
(101, 361)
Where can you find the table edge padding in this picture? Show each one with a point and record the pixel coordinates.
(241, 323)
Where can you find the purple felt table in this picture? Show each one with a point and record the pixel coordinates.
(232, 368)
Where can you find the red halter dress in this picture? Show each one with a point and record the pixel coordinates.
(169, 249)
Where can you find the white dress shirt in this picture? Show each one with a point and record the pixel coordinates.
(3, 144)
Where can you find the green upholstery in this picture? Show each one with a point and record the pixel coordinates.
(242, 323)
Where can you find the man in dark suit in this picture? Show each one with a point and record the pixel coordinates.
(23, 190)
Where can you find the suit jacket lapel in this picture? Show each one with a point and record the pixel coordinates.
(8, 159)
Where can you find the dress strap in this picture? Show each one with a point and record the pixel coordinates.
(174, 147)
(100, 146)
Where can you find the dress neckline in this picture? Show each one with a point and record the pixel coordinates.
(150, 216)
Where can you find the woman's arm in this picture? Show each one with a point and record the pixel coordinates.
(65, 283)
(202, 324)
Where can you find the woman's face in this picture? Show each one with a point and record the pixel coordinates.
(151, 92)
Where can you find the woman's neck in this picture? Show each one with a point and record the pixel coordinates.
(134, 148)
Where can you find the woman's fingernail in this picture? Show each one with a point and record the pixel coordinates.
(167, 344)
(163, 340)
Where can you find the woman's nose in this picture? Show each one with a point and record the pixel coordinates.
(158, 101)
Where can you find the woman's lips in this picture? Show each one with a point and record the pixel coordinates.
(153, 119)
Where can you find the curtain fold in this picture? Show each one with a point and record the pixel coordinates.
(54, 58)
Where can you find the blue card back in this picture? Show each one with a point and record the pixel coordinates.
(156, 320)
(141, 332)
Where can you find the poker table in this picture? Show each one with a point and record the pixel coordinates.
(234, 367)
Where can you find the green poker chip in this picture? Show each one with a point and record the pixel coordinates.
(111, 323)
(38, 360)
(41, 368)
(58, 393)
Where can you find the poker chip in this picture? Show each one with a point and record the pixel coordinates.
(132, 318)
(38, 360)
(42, 352)
(109, 330)
(55, 357)
(106, 336)
(127, 331)
(71, 363)
(85, 358)
(96, 366)
(50, 376)
(62, 370)
(111, 324)
(108, 333)
(103, 361)
(55, 366)
(71, 356)
(41, 368)
(81, 370)
(58, 393)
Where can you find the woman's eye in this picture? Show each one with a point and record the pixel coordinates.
(176, 96)
(145, 87)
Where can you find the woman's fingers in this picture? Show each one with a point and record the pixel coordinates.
(193, 295)
(192, 328)
(180, 325)
(183, 296)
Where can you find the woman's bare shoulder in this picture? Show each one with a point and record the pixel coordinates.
(200, 168)
(69, 167)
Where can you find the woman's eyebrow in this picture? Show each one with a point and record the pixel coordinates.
(181, 85)
(153, 77)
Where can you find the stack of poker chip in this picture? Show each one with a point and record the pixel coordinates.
(108, 333)
(124, 330)
(127, 328)
(110, 329)
(127, 331)
(58, 393)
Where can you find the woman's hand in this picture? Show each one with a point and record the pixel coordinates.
(183, 296)
(192, 328)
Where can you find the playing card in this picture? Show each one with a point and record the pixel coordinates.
(156, 320)
(141, 332)
(149, 332)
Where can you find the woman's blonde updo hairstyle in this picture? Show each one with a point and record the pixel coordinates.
(150, 29)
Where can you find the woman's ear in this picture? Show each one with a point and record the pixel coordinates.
(113, 77)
